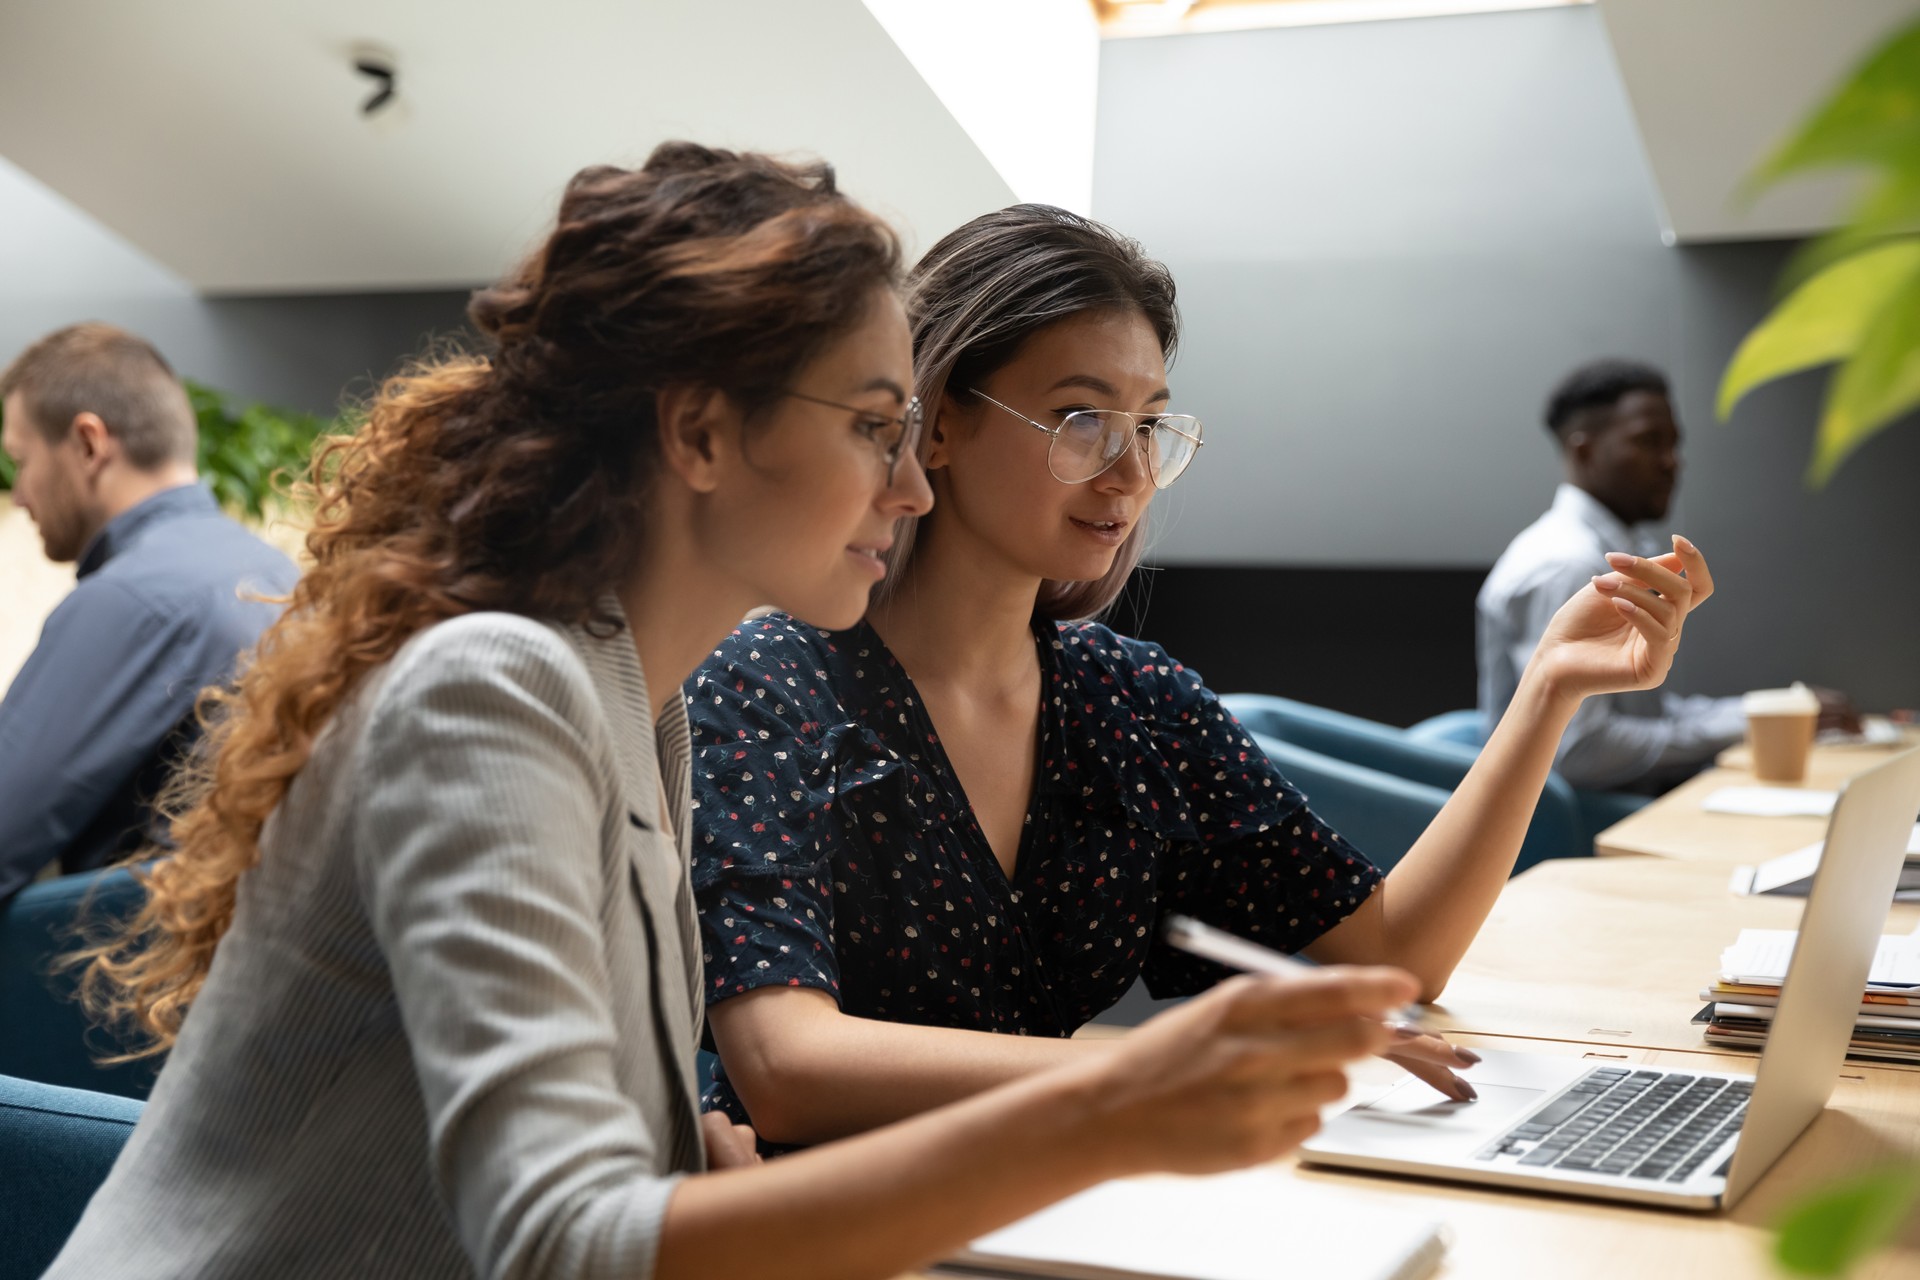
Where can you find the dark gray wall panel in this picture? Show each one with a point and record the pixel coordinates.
(1391, 238)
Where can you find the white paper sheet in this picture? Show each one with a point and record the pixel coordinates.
(1760, 956)
(1771, 802)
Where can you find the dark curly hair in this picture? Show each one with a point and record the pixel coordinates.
(514, 481)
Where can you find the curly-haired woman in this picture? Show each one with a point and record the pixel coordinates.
(425, 958)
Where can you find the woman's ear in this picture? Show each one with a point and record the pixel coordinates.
(699, 434)
(946, 416)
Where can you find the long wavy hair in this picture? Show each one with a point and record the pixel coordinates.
(977, 296)
(514, 481)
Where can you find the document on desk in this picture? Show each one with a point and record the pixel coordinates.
(1758, 957)
(1771, 802)
(1791, 874)
(1251, 1225)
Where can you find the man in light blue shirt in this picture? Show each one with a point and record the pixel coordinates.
(1621, 445)
(103, 440)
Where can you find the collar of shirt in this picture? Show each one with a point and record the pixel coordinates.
(1574, 503)
(121, 531)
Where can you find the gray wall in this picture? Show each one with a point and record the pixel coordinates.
(57, 266)
(1390, 239)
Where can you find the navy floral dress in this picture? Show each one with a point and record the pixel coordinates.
(834, 848)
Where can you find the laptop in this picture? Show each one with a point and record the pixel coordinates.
(1680, 1139)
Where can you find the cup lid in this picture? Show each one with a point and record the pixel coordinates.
(1795, 701)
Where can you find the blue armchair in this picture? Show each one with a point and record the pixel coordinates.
(47, 1038)
(1598, 809)
(1381, 813)
(1557, 830)
(56, 1147)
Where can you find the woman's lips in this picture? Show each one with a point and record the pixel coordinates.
(872, 558)
(1113, 530)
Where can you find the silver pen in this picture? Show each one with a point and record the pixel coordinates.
(1235, 952)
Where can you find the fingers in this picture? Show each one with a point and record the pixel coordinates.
(1696, 567)
(1432, 1049)
(1266, 1004)
(1646, 572)
(1657, 633)
(1441, 1078)
(729, 1145)
(1663, 609)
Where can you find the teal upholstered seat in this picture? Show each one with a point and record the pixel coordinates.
(46, 1036)
(56, 1147)
(1557, 831)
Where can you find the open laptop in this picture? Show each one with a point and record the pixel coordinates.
(1677, 1138)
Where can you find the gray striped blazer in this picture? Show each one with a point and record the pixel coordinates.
(451, 1031)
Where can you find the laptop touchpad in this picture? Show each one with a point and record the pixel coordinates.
(1412, 1121)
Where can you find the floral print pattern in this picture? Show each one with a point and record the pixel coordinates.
(834, 848)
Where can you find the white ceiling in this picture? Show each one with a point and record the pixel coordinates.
(1716, 85)
(223, 137)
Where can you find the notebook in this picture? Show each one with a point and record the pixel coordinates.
(1258, 1224)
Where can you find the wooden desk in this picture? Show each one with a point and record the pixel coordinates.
(1674, 826)
(1872, 1119)
(1604, 958)
(1611, 950)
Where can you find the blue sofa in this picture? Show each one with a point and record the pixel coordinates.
(47, 1036)
(1598, 809)
(1557, 831)
(56, 1147)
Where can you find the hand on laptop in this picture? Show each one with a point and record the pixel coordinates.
(1432, 1059)
(1622, 632)
(1239, 1075)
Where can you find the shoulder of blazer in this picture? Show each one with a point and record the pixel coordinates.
(497, 650)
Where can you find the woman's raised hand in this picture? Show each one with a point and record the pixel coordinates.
(1239, 1075)
(1621, 632)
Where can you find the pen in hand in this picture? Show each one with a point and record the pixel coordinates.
(1209, 943)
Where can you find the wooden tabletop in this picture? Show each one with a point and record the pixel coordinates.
(1611, 950)
(1604, 958)
(1675, 826)
(1871, 1120)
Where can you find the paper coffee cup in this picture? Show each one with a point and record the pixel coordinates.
(1780, 725)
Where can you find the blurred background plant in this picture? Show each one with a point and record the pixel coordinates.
(1852, 296)
(243, 447)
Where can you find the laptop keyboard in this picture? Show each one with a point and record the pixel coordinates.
(1655, 1125)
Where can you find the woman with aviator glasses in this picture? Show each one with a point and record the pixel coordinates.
(968, 813)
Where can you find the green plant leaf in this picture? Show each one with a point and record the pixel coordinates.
(1827, 1234)
(1823, 320)
(1880, 382)
(1872, 118)
(1890, 211)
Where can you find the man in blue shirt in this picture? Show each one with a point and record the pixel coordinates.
(103, 441)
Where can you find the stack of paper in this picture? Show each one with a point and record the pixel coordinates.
(1747, 993)
(1791, 874)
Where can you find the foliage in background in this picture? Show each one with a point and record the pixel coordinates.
(1829, 1232)
(1853, 294)
(242, 448)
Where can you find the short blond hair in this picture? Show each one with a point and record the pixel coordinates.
(118, 376)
